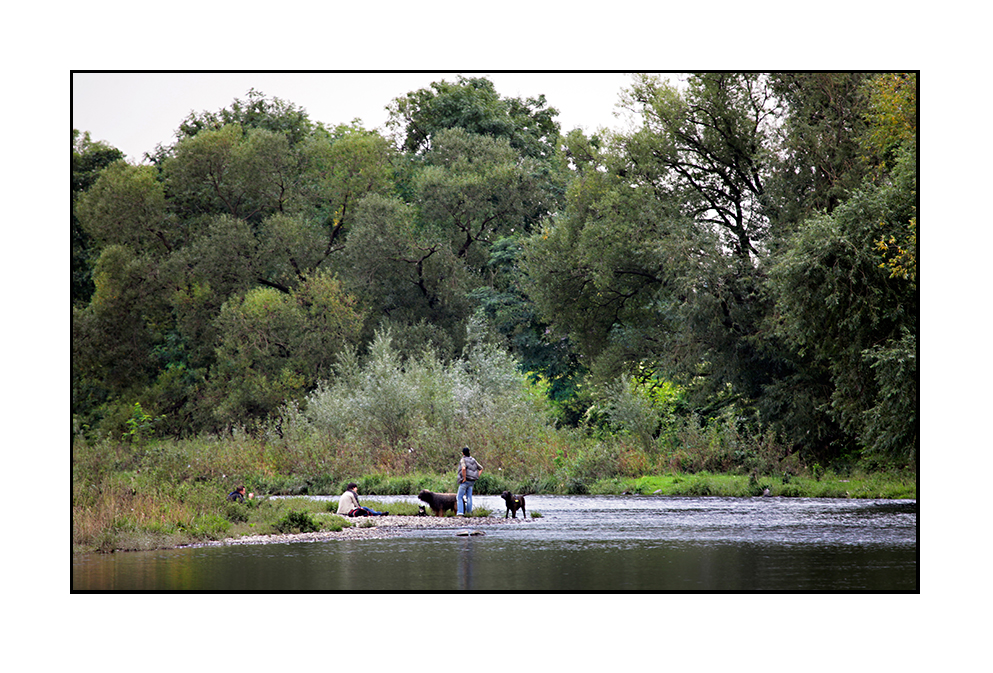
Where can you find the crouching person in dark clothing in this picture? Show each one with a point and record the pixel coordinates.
(238, 495)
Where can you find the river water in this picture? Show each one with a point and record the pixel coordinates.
(580, 543)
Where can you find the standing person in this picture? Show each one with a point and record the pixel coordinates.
(349, 505)
(468, 472)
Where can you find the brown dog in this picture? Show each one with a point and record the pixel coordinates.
(438, 502)
(514, 502)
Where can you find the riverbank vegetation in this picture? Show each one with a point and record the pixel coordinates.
(721, 301)
(140, 492)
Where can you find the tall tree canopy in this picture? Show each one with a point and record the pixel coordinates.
(473, 105)
(709, 148)
(842, 296)
(88, 159)
(748, 249)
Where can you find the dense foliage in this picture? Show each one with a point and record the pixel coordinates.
(746, 257)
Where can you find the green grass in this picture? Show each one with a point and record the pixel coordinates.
(885, 486)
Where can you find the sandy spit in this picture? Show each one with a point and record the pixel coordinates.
(384, 527)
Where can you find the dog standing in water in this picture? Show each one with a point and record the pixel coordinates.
(514, 502)
(438, 503)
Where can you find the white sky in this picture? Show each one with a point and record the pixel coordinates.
(135, 111)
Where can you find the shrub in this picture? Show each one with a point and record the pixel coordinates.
(574, 486)
(337, 524)
(235, 512)
(297, 520)
(490, 484)
(206, 527)
(593, 463)
(403, 413)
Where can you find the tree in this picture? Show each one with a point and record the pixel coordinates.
(709, 148)
(477, 189)
(115, 334)
(126, 206)
(819, 161)
(613, 269)
(341, 168)
(406, 275)
(473, 105)
(291, 248)
(891, 141)
(246, 175)
(891, 117)
(655, 261)
(275, 346)
(256, 112)
(508, 308)
(89, 158)
(222, 261)
(253, 196)
(416, 263)
(836, 302)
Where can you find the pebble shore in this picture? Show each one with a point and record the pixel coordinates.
(384, 527)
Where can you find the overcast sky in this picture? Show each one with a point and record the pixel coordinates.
(135, 111)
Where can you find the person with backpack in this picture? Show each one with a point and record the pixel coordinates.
(468, 472)
(238, 495)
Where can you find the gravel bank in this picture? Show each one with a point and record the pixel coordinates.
(384, 527)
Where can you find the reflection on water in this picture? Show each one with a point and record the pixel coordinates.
(581, 543)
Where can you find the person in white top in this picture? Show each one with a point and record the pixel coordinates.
(349, 505)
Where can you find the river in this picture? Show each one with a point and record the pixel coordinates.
(580, 543)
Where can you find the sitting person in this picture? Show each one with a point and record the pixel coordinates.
(348, 505)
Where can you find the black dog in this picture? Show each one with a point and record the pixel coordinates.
(438, 502)
(514, 502)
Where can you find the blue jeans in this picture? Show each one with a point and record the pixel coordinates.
(465, 489)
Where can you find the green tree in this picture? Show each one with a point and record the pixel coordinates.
(415, 264)
(114, 336)
(508, 308)
(275, 346)
(709, 147)
(891, 117)
(291, 248)
(256, 111)
(854, 318)
(340, 169)
(891, 141)
(616, 270)
(126, 206)
(477, 189)
(819, 162)
(652, 263)
(473, 104)
(248, 175)
(89, 158)
(222, 261)
(406, 275)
